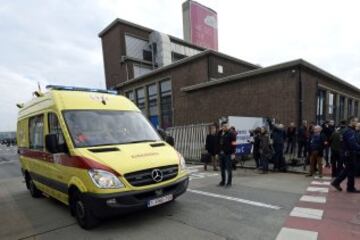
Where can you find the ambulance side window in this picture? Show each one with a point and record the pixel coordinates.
(54, 128)
(36, 132)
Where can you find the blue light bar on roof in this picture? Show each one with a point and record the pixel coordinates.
(81, 89)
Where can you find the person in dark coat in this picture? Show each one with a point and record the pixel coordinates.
(278, 136)
(290, 138)
(303, 138)
(316, 149)
(212, 147)
(256, 145)
(264, 150)
(327, 129)
(350, 151)
(337, 163)
(227, 142)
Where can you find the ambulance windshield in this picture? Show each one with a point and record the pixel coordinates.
(89, 128)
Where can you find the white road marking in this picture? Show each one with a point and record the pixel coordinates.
(318, 189)
(307, 213)
(324, 183)
(195, 166)
(314, 199)
(5, 162)
(198, 175)
(240, 200)
(322, 178)
(296, 234)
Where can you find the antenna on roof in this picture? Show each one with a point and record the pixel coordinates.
(20, 105)
(38, 93)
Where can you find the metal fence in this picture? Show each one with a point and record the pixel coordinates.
(190, 140)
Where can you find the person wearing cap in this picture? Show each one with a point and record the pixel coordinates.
(316, 149)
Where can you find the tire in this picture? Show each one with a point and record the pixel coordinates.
(83, 214)
(34, 191)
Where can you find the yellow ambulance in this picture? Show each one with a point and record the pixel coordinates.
(94, 151)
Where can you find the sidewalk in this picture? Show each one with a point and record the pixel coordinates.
(324, 214)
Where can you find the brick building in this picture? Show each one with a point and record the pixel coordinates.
(177, 83)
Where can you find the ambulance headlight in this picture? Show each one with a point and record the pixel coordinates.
(182, 164)
(104, 179)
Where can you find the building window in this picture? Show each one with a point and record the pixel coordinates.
(130, 95)
(166, 104)
(36, 132)
(331, 103)
(342, 108)
(356, 109)
(140, 70)
(153, 105)
(350, 107)
(331, 106)
(320, 112)
(140, 99)
(220, 69)
(137, 48)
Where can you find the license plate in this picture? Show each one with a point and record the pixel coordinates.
(160, 200)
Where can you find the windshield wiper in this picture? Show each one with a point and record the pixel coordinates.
(140, 141)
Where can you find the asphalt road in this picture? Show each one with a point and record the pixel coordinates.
(254, 208)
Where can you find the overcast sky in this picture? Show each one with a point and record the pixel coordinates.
(56, 42)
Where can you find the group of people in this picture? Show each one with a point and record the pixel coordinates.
(338, 145)
(342, 144)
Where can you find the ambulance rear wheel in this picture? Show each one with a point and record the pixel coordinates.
(34, 192)
(83, 214)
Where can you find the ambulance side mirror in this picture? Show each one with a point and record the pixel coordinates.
(51, 143)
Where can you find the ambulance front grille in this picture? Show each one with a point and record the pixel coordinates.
(144, 177)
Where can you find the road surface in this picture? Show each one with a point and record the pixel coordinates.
(255, 207)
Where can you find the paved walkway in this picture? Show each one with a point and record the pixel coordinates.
(323, 213)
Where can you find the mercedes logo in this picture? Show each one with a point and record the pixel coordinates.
(157, 175)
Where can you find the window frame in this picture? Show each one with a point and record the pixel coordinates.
(41, 148)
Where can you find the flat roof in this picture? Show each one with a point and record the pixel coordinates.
(255, 72)
(134, 25)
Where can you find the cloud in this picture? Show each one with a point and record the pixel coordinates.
(55, 42)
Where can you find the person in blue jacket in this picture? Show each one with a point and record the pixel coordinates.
(350, 150)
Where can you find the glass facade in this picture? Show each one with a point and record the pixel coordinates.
(130, 95)
(182, 50)
(342, 108)
(140, 99)
(320, 111)
(356, 109)
(137, 48)
(166, 104)
(331, 106)
(153, 104)
(156, 104)
(350, 107)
